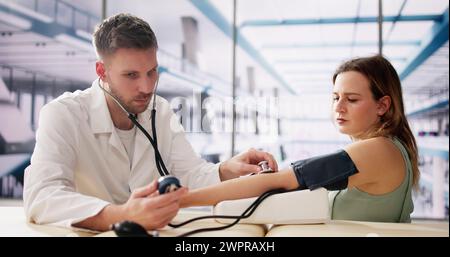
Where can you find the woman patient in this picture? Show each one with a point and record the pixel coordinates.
(371, 179)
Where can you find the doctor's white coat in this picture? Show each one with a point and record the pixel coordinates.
(79, 164)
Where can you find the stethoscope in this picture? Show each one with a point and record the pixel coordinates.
(153, 140)
(128, 228)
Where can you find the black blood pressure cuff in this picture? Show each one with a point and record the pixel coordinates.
(330, 171)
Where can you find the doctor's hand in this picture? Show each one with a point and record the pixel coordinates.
(245, 163)
(151, 210)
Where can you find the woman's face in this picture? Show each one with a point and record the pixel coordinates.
(355, 111)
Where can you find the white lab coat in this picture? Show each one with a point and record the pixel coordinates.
(79, 164)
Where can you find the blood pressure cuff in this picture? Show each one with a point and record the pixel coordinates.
(330, 171)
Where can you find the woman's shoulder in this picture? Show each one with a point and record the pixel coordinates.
(378, 140)
(382, 161)
(390, 152)
(386, 151)
(381, 145)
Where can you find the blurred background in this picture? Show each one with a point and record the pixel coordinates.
(275, 58)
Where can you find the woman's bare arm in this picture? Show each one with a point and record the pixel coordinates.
(243, 187)
(371, 157)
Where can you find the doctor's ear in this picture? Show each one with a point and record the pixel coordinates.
(100, 70)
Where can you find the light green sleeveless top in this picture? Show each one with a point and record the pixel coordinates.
(395, 206)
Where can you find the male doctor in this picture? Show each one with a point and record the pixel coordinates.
(91, 167)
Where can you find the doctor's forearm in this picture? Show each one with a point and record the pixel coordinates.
(239, 188)
(102, 221)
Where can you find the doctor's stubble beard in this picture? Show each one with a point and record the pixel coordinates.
(128, 106)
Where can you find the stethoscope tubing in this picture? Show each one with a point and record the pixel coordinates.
(160, 165)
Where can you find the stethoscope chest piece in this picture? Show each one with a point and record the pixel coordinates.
(168, 184)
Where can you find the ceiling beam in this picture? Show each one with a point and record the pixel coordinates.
(49, 29)
(296, 60)
(436, 37)
(343, 44)
(217, 19)
(374, 19)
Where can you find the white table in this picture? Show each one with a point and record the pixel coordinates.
(13, 223)
(344, 228)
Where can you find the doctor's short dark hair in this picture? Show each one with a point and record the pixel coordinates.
(123, 31)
